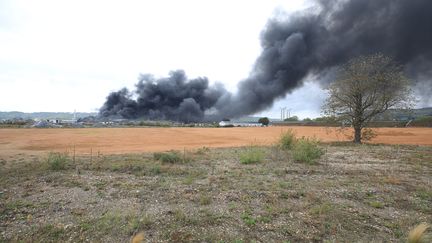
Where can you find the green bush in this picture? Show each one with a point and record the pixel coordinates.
(251, 155)
(168, 157)
(57, 161)
(307, 150)
(287, 140)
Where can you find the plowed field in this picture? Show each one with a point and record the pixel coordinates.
(132, 140)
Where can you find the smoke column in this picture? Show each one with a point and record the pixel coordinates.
(173, 98)
(310, 42)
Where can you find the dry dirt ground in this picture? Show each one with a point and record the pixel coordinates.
(364, 193)
(138, 140)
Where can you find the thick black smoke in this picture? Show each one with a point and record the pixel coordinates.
(317, 40)
(311, 42)
(172, 98)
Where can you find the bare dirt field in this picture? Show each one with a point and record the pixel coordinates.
(137, 140)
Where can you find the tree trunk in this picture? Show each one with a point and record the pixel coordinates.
(357, 134)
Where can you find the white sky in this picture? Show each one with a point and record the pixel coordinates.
(63, 55)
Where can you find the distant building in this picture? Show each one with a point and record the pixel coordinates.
(71, 121)
(239, 124)
(53, 121)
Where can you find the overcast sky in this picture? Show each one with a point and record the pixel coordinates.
(65, 55)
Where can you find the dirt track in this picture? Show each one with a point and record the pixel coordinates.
(130, 140)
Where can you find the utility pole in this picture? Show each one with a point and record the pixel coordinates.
(282, 113)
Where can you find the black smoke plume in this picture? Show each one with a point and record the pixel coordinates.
(173, 98)
(310, 42)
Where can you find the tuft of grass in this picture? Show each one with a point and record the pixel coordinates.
(322, 209)
(57, 161)
(376, 204)
(180, 216)
(155, 170)
(18, 205)
(307, 150)
(51, 233)
(287, 140)
(138, 238)
(120, 222)
(202, 150)
(416, 234)
(248, 219)
(424, 194)
(172, 157)
(205, 200)
(251, 155)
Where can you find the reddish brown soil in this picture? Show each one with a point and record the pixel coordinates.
(130, 140)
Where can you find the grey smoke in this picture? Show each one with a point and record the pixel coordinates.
(310, 42)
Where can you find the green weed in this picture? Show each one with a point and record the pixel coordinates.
(307, 150)
(168, 157)
(251, 155)
(287, 140)
(57, 161)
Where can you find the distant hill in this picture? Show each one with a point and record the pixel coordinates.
(43, 115)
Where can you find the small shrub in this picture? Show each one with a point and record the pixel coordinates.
(252, 155)
(287, 140)
(168, 157)
(307, 150)
(57, 161)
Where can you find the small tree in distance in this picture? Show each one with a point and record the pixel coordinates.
(292, 118)
(264, 121)
(365, 87)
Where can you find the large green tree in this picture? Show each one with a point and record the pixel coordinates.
(365, 87)
(264, 121)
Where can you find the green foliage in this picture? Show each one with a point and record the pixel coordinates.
(287, 140)
(251, 155)
(168, 157)
(248, 219)
(155, 170)
(326, 119)
(57, 161)
(264, 121)
(307, 119)
(376, 204)
(293, 118)
(307, 150)
(424, 119)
